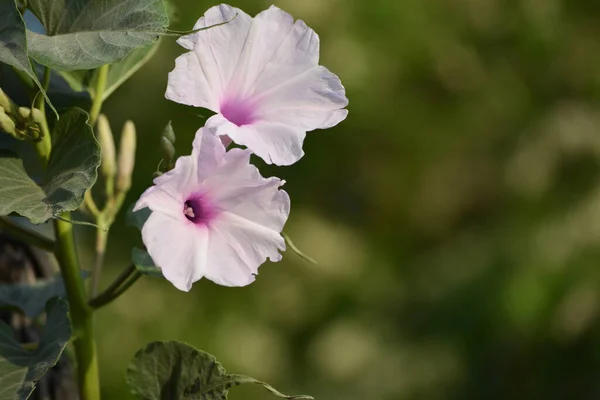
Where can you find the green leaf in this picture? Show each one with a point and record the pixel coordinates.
(31, 298)
(174, 370)
(86, 34)
(21, 369)
(138, 218)
(144, 263)
(71, 171)
(118, 73)
(13, 42)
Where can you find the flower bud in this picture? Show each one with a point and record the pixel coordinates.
(107, 144)
(37, 115)
(169, 133)
(167, 149)
(6, 123)
(24, 112)
(126, 157)
(6, 102)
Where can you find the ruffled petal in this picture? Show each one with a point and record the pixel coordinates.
(237, 248)
(218, 48)
(178, 247)
(188, 85)
(312, 100)
(208, 151)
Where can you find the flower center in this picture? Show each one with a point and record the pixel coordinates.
(239, 112)
(193, 209)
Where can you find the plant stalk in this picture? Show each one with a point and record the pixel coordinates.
(81, 313)
(98, 94)
(123, 282)
(44, 145)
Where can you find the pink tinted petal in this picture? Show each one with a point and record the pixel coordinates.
(298, 52)
(268, 31)
(178, 248)
(275, 143)
(312, 100)
(238, 247)
(218, 48)
(188, 85)
(260, 202)
(158, 200)
(208, 151)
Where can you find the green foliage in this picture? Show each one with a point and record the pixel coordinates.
(174, 370)
(20, 369)
(31, 298)
(86, 80)
(144, 263)
(86, 34)
(138, 218)
(13, 41)
(71, 171)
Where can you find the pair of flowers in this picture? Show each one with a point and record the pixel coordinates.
(214, 215)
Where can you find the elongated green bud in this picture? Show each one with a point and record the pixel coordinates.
(126, 157)
(6, 102)
(169, 133)
(167, 149)
(6, 123)
(107, 144)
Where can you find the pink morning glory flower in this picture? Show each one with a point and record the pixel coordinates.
(214, 216)
(262, 77)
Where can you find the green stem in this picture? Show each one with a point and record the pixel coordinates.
(81, 313)
(32, 237)
(123, 282)
(98, 94)
(44, 145)
(101, 241)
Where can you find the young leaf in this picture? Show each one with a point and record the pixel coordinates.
(174, 370)
(13, 42)
(21, 369)
(86, 34)
(144, 263)
(31, 298)
(118, 73)
(71, 171)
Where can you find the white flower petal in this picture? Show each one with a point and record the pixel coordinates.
(218, 48)
(208, 151)
(187, 84)
(178, 247)
(312, 100)
(238, 247)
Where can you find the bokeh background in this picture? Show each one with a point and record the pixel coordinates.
(455, 214)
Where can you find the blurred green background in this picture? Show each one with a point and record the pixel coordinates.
(455, 214)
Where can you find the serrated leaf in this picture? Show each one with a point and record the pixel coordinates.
(71, 171)
(21, 369)
(31, 298)
(144, 263)
(175, 370)
(118, 73)
(13, 42)
(86, 34)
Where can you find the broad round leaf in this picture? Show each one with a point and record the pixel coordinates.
(71, 170)
(21, 369)
(13, 42)
(175, 370)
(86, 34)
